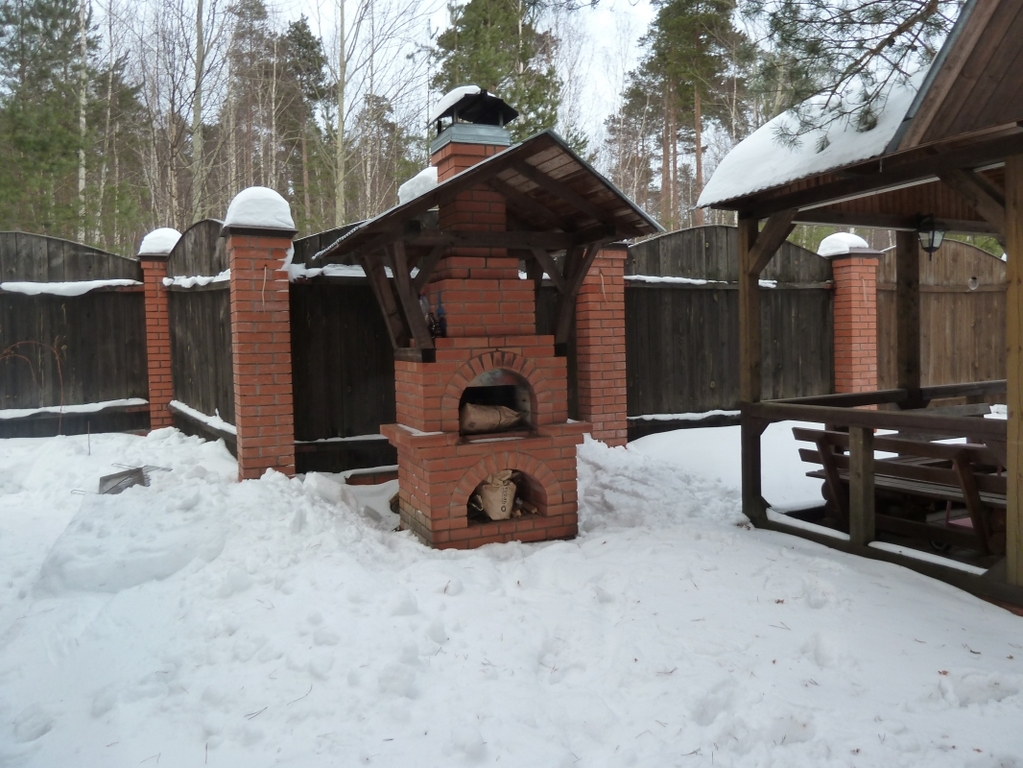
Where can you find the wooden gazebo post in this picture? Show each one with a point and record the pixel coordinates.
(1014, 366)
(756, 249)
(907, 316)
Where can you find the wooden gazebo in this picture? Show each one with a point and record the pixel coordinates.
(947, 149)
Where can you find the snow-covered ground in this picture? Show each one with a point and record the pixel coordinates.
(202, 621)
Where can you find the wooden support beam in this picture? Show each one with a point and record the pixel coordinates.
(564, 193)
(749, 372)
(546, 261)
(408, 297)
(1014, 366)
(381, 286)
(426, 267)
(907, 317)
(521, 200)
(840, 218)
(968, 485)
(981, 194)
(750, 432)
(749, 315)
(778, 227)
(550, 241)
(577, 264)
(862, 524)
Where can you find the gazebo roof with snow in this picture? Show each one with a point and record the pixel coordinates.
(949, 153)
(944, 136)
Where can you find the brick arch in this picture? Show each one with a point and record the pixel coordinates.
(489, 361)
(541, 477)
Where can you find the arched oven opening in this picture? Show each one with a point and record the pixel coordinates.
(506, 495)
(497, 402)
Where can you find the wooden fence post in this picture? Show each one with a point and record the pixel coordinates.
(862, 528)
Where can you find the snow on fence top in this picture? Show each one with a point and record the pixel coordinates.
(159, 242)
(75, 288)
(259, 207)
(762, 160)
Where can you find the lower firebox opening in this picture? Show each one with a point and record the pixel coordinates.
(506, 495)
(495, 402)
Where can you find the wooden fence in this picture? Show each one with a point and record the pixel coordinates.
(681, 329)
(200, 330)
(962, 328)
(60, 349)
(682, 326)
(343, 368)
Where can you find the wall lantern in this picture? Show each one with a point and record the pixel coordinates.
(930, 236)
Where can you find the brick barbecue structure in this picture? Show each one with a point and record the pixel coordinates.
(494, 207)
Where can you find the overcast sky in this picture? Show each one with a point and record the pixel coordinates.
(603, 40)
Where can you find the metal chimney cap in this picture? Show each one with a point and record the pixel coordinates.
(471, 104)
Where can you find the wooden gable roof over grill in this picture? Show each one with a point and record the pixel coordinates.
(555, 202)
(554, 199)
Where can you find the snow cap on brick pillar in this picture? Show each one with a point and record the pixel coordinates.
(259, 231)
(153, 254)
(854, 271)
(600, 346)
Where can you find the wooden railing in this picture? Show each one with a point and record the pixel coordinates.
(851, 412)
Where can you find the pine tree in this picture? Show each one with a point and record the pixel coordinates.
(40, 136)
(496, 45)
(850, 52)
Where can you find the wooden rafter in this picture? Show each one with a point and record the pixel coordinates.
(887, 221)
(563, 192)
(523, 240)
(426, 266)
(577, 264)
(396, 327)
(546, 261)
(525, 202)
(408, 298)
(779, 226)
(983, 196)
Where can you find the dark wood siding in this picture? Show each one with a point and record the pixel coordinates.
(962, 331)
(69, 349)
(682, 338)
(200, 326)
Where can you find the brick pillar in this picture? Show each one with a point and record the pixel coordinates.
(600, 346)
(261, 349)
(855, 319)
(158, 345)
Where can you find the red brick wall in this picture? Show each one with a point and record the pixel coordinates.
(261, 346)
(158, 345)
(454, 157)
(600, 345)
(855, 318)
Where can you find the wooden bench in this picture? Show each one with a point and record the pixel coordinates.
(966, 474)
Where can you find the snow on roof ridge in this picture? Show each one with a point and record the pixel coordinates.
(761, 162)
